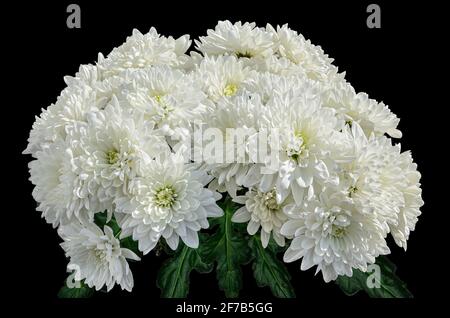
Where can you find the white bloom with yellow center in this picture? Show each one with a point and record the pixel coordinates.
(169, 98)
(261, 210)
(168, 201)
(309, 144)
(114, 147)
(222, 76)
(96, 256)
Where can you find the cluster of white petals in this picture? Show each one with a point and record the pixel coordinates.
(96, 256)
(122, 138)
(168, 200)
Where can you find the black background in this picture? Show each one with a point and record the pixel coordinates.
(393, 64)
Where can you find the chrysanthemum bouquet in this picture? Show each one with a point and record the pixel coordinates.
(251, 145)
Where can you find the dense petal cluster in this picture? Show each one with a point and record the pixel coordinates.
(153, 134)
(169, 200)
(96, 256)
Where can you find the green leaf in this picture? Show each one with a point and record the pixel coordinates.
(269, 270)
(389, 285)
(100, 220)
(130, 244)
(228, 248)
(173, 277)
(81, 292)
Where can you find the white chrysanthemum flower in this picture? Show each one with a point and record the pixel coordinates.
(168, 98)
(235, 119)
(222, 76)
(360, 177)
(401, 194)
(372, 116)
(70, 108)
(384, 179)
(115, 146)
(298, 50)
(49, 191)
(61, 189)
(412, 195)
(169, 200)
(87, 74)
(334, 235)
(242, 40)
(105, 88)
(96, 256)
(144, 50)
(86, 92)
(309, 144)
(261, 210)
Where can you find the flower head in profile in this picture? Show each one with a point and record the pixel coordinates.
(400, 198)
(244, 40)
(144, 50)
(96, 256)
(295, 48)
(65, 189)
(169, 200)
(50, 173)
(383, 178)
(412, 196)
(373, 117)
(105, 87)
(70, 109)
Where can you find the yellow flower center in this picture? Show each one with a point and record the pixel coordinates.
(297, 146)
(270, 201)
(165, 197)
(230, 90)
(112, 156)
(158, 98)
(337, 231)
